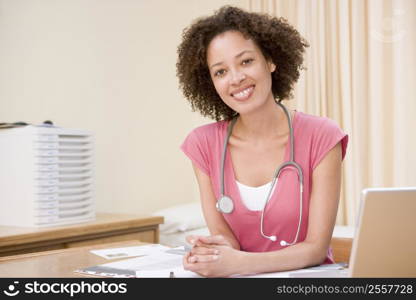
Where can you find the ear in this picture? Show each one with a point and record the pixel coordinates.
(272, 67)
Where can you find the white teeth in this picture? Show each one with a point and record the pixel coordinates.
(244, 93)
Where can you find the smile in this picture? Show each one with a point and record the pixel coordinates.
(243, 94)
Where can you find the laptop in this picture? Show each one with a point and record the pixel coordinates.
(384, 242)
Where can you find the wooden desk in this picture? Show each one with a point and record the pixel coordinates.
(105, 229)
(62, 263)
(56, 263)
(341, 249)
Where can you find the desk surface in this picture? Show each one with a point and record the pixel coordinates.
(62, 263)
(56, 263)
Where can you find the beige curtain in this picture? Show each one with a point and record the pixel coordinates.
(361, 72)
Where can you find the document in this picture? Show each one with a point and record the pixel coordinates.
(113, 253)
(154, 262)
(327, 270)
(178, 272)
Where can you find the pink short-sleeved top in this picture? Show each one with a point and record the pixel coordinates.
(314, 137)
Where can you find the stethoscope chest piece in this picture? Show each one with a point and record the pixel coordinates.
(225, 205)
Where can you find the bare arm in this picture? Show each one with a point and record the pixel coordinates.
(215, 221)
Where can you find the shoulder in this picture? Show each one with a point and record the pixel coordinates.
(321, 133)
(316, 125)
(208, 131)
(205, 136)
(202, 144)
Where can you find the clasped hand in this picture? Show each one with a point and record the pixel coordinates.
(211, 256)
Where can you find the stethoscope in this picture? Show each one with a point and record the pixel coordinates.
(226, 205)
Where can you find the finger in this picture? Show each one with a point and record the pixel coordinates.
(203, 258)
(190, 239)
(214, 239)
(192, 259)
(189, 262)
(204, 251)
(185, 261)
(198, 243)
(193, 239)
(194, 267)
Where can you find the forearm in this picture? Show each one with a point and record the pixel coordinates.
(299, 256)
(228, 236)
(234, 243)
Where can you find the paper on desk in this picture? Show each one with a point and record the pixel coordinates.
(178, 272)
(286, 274)
(157, 259)
(332, 270)
(124, 252)
(326, 270)
(156, 264)
(154, 261)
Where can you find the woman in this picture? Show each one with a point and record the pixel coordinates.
(236, 67)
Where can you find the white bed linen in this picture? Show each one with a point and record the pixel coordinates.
(177, 239)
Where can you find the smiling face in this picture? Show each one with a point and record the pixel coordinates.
(240, 72)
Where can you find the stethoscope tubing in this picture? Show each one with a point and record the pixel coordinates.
(284, 165)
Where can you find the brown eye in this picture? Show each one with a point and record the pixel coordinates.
(219, 73)
(247, 61)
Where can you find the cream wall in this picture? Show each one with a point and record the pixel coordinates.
(107, 66)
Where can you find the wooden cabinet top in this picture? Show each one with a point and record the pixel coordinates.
(104, 222)
(57, 263)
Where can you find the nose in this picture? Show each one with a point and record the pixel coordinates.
(237, 77)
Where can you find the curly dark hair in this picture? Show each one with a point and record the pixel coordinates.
(278, 41)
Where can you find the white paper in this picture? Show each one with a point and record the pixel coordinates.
(155, 261)
(178, 272)
(327, 270)
(320, 273)
(156, 264)
(286, 274)
(125, 252)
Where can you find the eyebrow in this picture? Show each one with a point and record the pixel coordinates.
(237, 56)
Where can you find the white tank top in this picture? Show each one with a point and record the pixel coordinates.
(254, 198)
